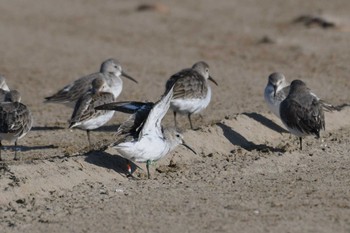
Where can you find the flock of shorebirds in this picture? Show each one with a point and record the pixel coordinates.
(141, 137)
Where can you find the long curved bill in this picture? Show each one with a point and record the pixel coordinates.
(211, 79)
(129, 77)
(188, 147)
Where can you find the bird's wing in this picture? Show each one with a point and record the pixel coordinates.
(282, 94)
(306, 117)
(14, 118)
(72, 92)
(133, 125)
(125, 106)
(187, 83)
(154, 119)
(85, 107)
(3, 94)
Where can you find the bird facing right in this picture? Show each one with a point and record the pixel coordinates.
(110, 71)
(302, 112)
(84, 115)
(143, 139)
(192, 92)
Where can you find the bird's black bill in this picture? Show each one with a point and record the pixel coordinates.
(274, 90)
(129, 77)
(188, 147)
(211, 79)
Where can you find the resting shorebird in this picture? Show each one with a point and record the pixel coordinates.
(192, 92)
(302, 112)
(110, 71)
(276, 91)
(15, 120)
(143, 139)
(85, 116)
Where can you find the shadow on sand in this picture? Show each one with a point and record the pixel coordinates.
(237, 139)
(266, 122)
(43, 128)
(113, 162)
(27, 148)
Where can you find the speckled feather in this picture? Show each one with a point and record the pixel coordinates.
(188, 83)
(15, 118)
(110, 71)
(74, 91)
(85, 107)
(302, 111)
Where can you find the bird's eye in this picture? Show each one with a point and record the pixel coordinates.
(177, 135)
(207, 70)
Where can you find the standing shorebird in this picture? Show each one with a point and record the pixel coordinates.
(143, 139)
(15, 120)
(85, 116)
(276, 91)
(110, 71)
(192, 92)
(302, 112)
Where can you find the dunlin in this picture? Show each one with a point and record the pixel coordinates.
(192, 92)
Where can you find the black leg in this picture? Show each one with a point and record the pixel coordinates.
(0, 150)
(88, 136)
(16, 150)
(147, 166)
(189, 118)
(301, 143)
(175, 119)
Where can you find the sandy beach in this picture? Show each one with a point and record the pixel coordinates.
(248, 175)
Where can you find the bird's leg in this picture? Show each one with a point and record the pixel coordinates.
(0, 150)
(175, 119)
(189, 118)
(301, 143)
(128, 165)
(147, 166)
(88, 136)
(16, 151)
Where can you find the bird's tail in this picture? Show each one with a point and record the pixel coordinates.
(330, 108)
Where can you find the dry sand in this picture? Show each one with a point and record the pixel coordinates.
(248, 176)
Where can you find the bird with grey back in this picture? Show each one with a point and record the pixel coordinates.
(192, 92)
(15, 120)
(85, 116)
(142, 137)
(302, 112)
(277, 89)
(111, 71)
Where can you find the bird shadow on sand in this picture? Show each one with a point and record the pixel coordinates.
(43, 128)
(266, 122)
(28, 148)
(237, 139)
(113, 162)
(107, 128)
